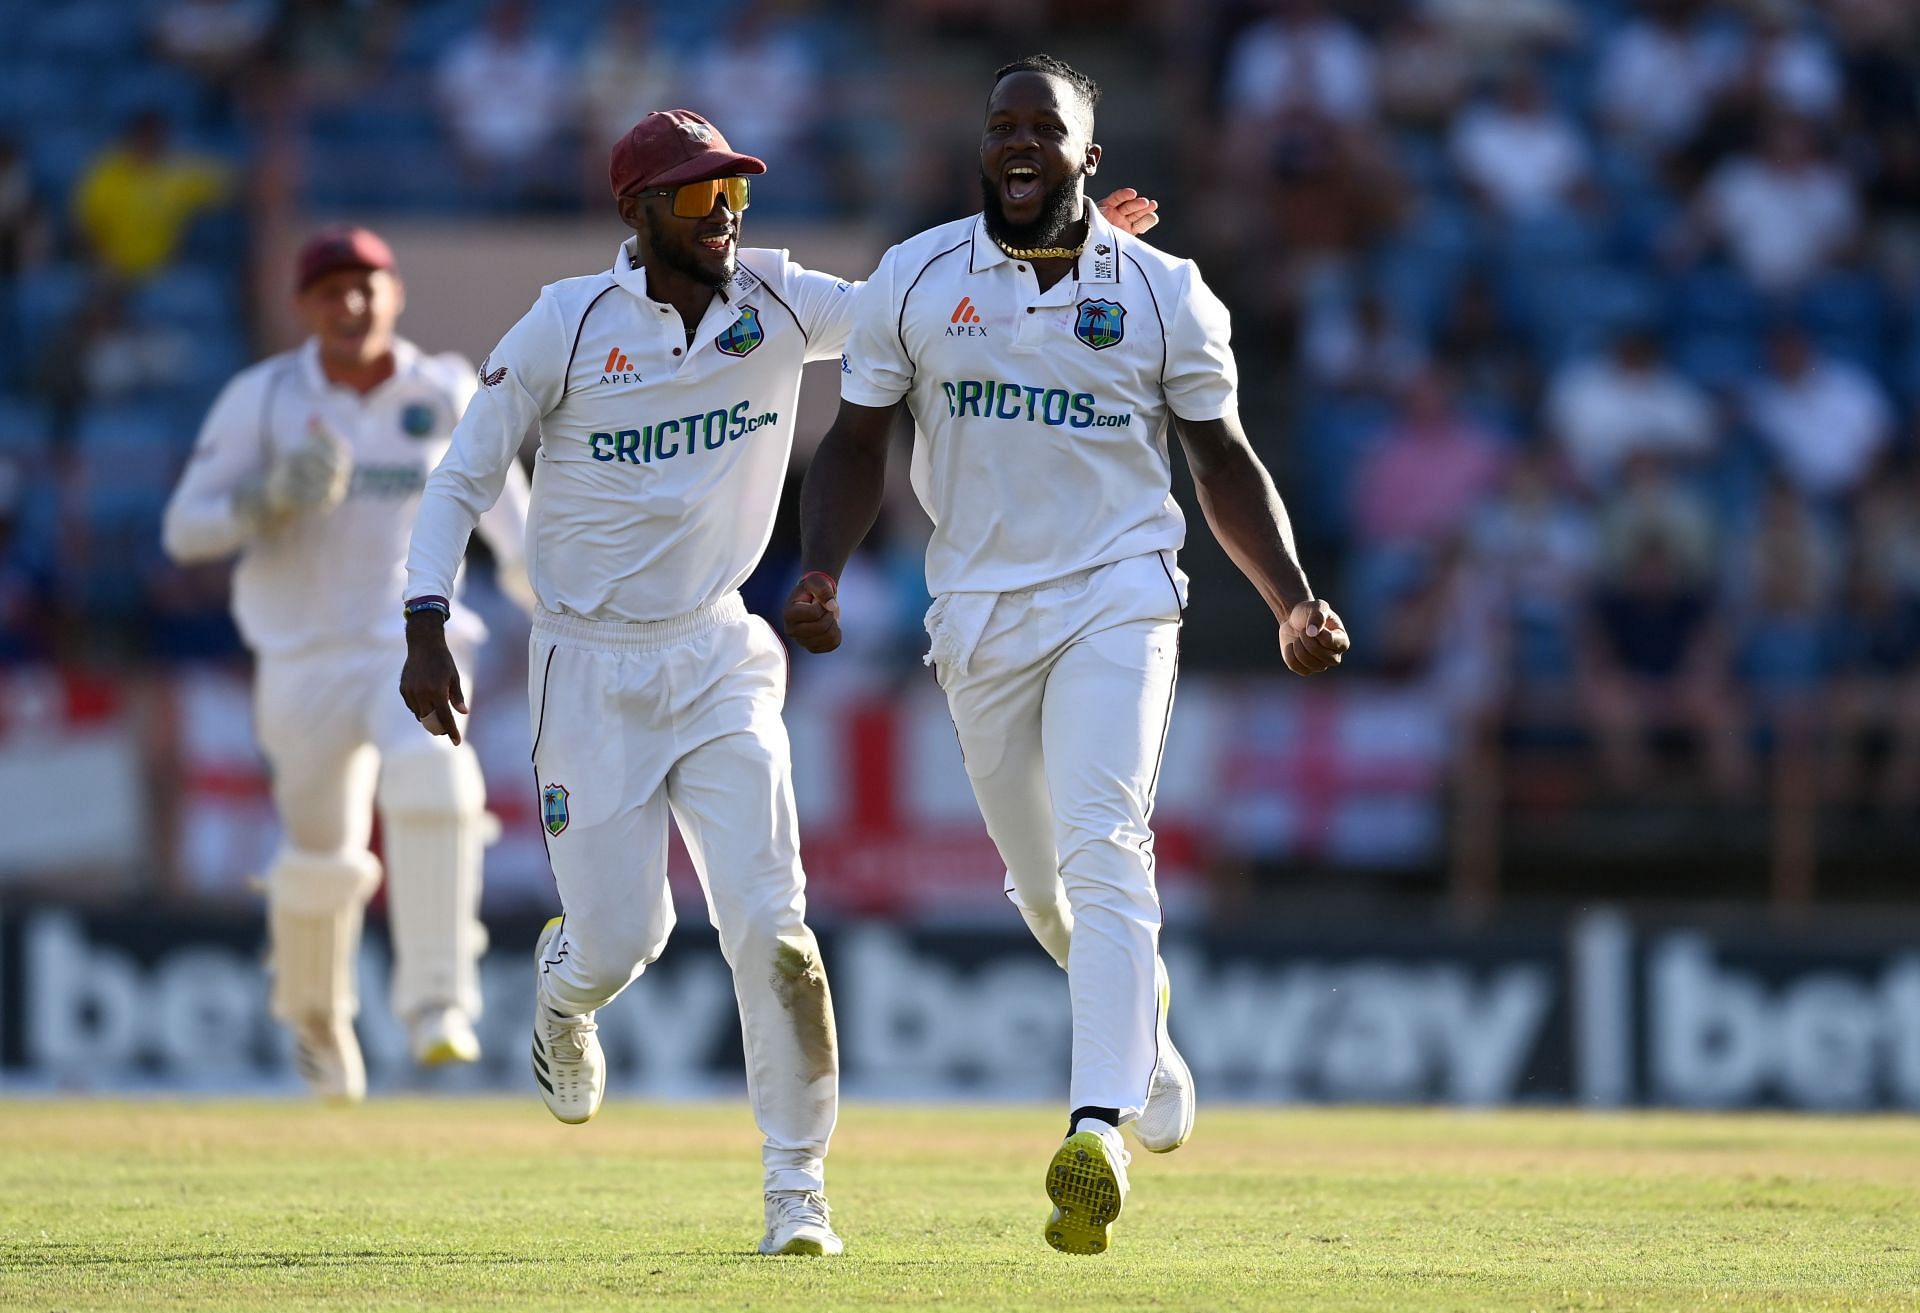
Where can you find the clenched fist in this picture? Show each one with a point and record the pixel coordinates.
(812, 616)
(1312, 638)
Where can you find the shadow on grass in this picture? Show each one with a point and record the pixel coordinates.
(55, 1256)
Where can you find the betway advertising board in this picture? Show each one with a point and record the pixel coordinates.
(1604, 1013)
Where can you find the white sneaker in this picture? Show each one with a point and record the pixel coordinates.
(567, 1061)
(797, 1223)
(327, 1055)
(1167, 1120)
(439, 1035)
(1087, 1181)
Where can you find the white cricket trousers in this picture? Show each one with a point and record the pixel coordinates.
(682, 716)
(1061, 696)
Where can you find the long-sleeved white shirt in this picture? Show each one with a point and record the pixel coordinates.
(334, 577)
(660, 462)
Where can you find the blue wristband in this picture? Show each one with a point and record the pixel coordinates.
(436, 604)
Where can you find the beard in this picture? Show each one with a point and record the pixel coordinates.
(1060, 209)
(680, 257)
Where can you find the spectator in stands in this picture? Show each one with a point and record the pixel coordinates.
(1652, 501)
(1438, 628)
(1423, 75)
(1535, 546)
(28, 606)
(103, 355)
(1428, 472)
(1783, 214)
(134, 203)
(333, 51)
(1787, 67)
(216, 40)
(507, 98)
(1361, 347)
(626, 74)
(785, 116)
(1480, 346)
(1659, 74)
(1886, 523)
(1333, 193)
(1603, 409)
(1876, 40)
(1826, 422)
(1498, 33)
(1893, 202)
(1654, 654)
(25, 235)
(1783, 576)
(1300, 58)
(1521, 156)
(1875, 702)
(1782, 71)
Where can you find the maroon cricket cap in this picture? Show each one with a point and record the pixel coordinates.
(341, 248)
(672, 146)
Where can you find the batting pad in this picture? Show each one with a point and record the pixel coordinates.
(315, 905)
(434, 826)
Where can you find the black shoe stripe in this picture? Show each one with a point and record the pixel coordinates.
(540, 1063)
(545, 1084)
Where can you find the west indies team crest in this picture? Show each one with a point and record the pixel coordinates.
(1101, 324)
(553, 808)
(419, 420)
(743, 335)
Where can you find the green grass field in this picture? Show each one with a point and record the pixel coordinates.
(492, 1205)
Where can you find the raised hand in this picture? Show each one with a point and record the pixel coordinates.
(1129, 211)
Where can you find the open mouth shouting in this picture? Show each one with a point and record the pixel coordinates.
(1020, 183)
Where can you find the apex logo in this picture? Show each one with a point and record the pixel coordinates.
(618, 369)
(966, 320)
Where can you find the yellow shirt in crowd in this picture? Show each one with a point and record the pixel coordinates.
(134, 210)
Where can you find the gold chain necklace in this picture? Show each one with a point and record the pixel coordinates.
(1044, 252)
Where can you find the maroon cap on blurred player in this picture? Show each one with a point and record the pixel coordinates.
(341, 248)
(672, 146)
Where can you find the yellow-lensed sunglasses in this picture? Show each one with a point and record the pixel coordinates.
(694, 200)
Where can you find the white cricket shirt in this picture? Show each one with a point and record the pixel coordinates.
(1040, 443)
(660, 463)
(333, 577)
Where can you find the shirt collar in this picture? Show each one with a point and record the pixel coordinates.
(1094, 266)
(632, 275)
(405, 355)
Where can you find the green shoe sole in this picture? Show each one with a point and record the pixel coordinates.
(1086, 1196)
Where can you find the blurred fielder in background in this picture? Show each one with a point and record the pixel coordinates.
(1043, 353)
(665, 390)
(310, 466)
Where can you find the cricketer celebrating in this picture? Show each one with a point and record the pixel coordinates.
(665, 389)
(310, 466)
(1043, 353)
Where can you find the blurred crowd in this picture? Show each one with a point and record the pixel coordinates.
(1583, 334)
(1606, 353)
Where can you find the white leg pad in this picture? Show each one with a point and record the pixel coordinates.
(315, 905)
(434, 828)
